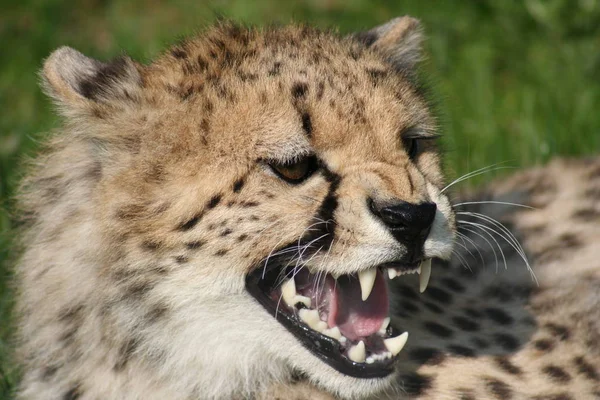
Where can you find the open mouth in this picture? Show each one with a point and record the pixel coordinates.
(344, 321)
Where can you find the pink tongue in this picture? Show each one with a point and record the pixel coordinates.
(340, 303)
(356, 318)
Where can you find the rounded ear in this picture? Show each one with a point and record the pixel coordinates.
(77, 82)
(399, 40)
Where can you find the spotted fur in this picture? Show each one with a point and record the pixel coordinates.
(155, 200)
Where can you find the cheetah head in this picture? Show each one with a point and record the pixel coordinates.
(257, 190)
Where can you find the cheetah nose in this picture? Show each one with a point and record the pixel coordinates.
(407, 221)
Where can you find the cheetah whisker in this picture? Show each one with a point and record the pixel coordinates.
(489, 168)
(489, 244)
(494, 202)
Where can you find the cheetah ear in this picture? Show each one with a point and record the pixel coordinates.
(77, 82)
(400, 40)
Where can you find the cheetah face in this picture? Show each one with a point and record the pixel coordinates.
(276, 181)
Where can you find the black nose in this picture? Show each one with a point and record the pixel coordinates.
(406, 220)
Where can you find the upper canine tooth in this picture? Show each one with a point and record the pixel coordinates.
(357, 353)
(395, 344)
(288, 292)
(424, 274)
(392, 273)
(309, 317)
(367, 280)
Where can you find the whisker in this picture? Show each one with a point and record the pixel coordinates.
(465, 237)
(488, 242)
(494, 202)
(489, 168)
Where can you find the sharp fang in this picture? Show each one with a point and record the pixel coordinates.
(333, 333)
(320, 326)
(424, 274)
(288, 292)
(301, 299)
(367, 280)
(392, 273)
(396, 344)
(370, 360)
(357, 353)
(384, 326)
(309, 317)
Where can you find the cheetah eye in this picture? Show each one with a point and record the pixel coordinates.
(411, 145)
(295, 171)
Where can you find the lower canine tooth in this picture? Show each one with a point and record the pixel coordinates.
(333, 333)
(367, 280)
(320, 326)
(384, 325)
(288, 292)
(357, 353)
(424, 274)
(396, 344)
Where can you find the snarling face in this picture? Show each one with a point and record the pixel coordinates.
(280, 179)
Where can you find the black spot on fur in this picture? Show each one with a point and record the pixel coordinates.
(48, 372)
(408, 306)
(276, 69)
(226, 232)
(498, 389)
(138, 289)
(407, 292)
(238, 185)
(499, 316)
(438, 329)
(150, 245)
(73, 393)
(465, 324)
(480, 343)
(506, 341)
(157, 313)
(556, 373)
(221, 252)
(586, 369)
(306, 123)
(427, 355)
(181, 259)
(543, 344)
(104, 78)
(247, 204)
(299, 90)
(194, 245)
(461, 350)
(242, 237)
(179, 53)
(433, 307)
(507, 366)
(416, 384)
(439, 294)
(192, 222)
(499, 293)
(453, 285)
(558, 331)
(213, 202)
(125, 352)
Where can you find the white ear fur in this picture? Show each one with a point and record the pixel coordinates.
(399, 40)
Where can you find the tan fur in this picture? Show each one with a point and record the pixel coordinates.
(155, 200)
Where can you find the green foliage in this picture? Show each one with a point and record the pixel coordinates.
(513, 80)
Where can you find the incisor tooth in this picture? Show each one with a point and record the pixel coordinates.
(424, 274)
(392, 273)
(370, 360)
(309, 317)
(395, 344)
(367, 279)
(302, 299)
(288, 292)
(384, 325)
(357, 353)
(333, 333)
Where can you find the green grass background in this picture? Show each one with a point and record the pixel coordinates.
(514, 80)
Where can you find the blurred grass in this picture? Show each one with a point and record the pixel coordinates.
(514, 80)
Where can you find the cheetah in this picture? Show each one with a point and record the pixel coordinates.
(261, 213)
